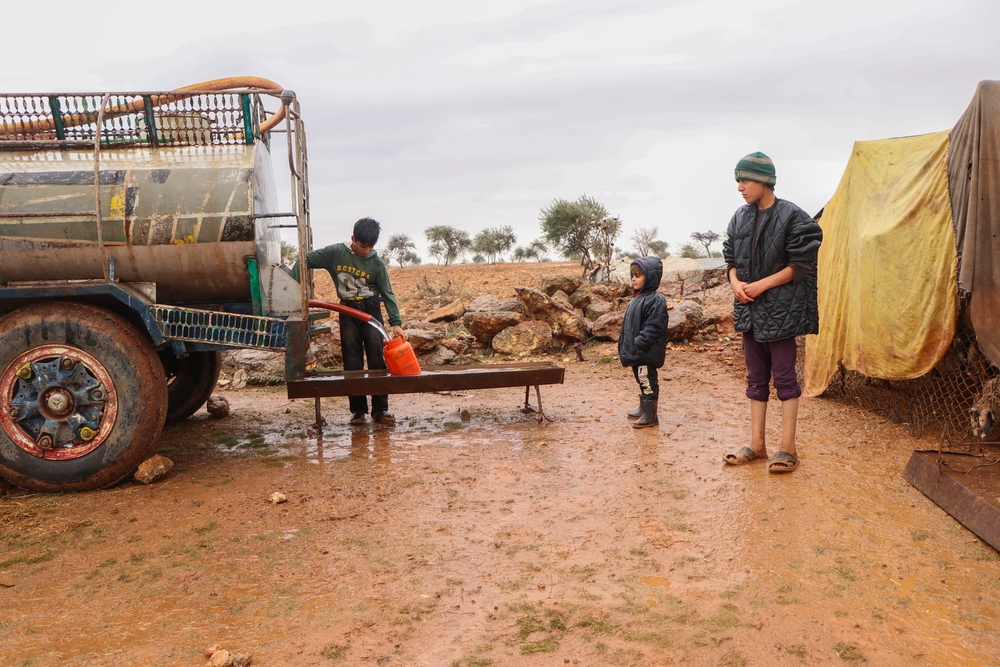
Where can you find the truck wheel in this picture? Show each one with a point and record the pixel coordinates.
(190, 382)
(83, 397)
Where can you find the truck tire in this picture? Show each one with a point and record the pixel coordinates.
(190, 382)
(83, 397)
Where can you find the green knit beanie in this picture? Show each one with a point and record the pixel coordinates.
(756, 167)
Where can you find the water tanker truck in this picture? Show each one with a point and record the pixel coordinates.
(140, 237)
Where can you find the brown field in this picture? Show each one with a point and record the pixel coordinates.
(471, 535)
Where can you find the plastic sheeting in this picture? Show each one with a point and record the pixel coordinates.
(887, 266)
(974, 176)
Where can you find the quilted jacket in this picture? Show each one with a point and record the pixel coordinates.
(643, 339)
(788, 236)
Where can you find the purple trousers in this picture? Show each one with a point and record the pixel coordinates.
(765, 360)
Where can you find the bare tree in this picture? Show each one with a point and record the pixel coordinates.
(706, 239)
(643, 238)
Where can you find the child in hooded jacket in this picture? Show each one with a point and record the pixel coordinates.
(642, 344)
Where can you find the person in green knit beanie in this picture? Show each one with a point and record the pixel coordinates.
(771, 250)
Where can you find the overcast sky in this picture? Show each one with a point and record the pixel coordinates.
(477, 115)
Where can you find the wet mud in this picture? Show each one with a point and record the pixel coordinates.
(470, 535)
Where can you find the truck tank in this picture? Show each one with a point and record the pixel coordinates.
(180, 217)
(185, 200)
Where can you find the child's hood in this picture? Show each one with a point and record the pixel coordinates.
(652, 268)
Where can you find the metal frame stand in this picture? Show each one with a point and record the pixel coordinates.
(530, 408)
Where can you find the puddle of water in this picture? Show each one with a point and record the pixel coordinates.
(655, 582)
(390, 445)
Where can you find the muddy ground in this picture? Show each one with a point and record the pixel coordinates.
(471, 535)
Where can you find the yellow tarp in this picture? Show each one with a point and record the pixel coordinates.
(887, 291)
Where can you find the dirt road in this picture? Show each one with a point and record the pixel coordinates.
(470, 535)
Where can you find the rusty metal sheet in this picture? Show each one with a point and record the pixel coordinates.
(972, 497)
(432, 378)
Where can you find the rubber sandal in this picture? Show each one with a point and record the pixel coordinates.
(357, 419)
(783, 462)
(745, 455)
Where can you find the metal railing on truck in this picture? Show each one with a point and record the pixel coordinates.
(118, 120)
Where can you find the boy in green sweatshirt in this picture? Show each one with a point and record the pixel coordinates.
(362, 283)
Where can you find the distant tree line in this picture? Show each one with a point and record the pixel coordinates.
(582, 230)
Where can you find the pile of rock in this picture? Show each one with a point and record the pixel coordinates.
(562, 312)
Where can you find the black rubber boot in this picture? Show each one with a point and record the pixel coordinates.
(648, 417)
(635, 414)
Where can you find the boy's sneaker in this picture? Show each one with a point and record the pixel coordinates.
(357, 419)
(383, 418)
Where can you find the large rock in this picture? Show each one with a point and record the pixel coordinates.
(597, 309)
(484, 325)
(423, 340)
(460, 342)
(566, 323)
(550, 284)
(582, 297)
(439, 356)
(612, 291)
(484, 302)
(153, 468)
(562, 298)
(257, 362)
(681, 268)
(717, 308)
(449, 312)
(685, 320)
(524, 339)
(609, 327)
(490, 302)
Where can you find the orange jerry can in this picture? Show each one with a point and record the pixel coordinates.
(400, 358)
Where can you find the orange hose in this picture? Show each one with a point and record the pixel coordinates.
(340, 308)
(214, 85)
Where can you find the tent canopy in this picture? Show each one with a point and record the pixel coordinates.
(887, 300)
(910, 225)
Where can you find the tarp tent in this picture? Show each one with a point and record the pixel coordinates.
(973, 179)
(890, 266)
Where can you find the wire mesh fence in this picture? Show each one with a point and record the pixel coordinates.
(958, 400)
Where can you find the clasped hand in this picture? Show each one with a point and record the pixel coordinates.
(746, 292)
